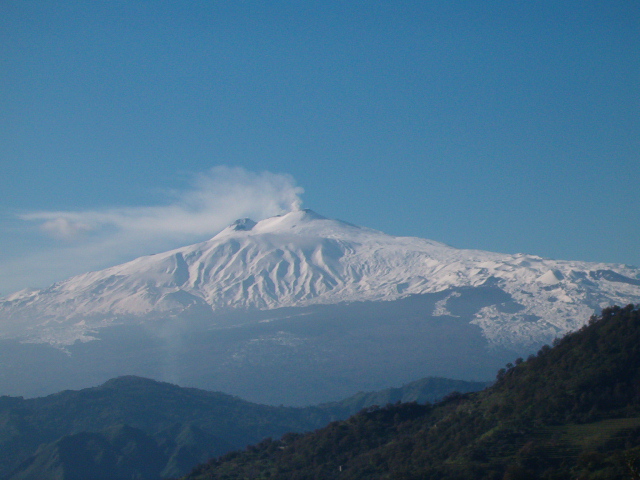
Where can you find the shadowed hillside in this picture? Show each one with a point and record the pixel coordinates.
(136, 428)
(571, 411)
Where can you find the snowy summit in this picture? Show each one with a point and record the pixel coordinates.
(303, 258)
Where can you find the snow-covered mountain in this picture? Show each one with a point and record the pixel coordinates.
(301, 259)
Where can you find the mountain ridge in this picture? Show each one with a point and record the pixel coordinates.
(163, 429)
(301, 259)
(569, 411)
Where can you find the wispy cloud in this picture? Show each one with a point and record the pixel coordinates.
(214, 199)
(94, 239)
(64, 228)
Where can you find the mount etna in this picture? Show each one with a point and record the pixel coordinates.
(299, 309)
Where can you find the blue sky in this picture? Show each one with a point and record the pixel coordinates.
(130, 127)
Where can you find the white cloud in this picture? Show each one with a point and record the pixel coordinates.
(65, 228)
(109, 236)
(215, 199)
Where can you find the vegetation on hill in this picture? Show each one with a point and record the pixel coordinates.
(571, 411)
(159, 411)
(428, 389)
(133, 427)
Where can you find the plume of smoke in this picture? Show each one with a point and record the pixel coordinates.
(100, 238)
(215, 199)
(65, 228)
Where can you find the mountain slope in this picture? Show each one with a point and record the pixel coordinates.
(132, 427)
(429, 389)
(572, 411)
(301, 259)
(299, 310)
(121, 453)
(160, 411)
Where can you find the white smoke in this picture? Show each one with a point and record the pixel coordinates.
(65, 228)
(215, 199)
(99, 238)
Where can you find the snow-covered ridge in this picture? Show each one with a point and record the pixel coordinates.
(302, 258)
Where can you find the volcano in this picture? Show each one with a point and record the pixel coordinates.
(300, 308)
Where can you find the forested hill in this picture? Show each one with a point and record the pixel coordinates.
(571, 411)
(132, 427)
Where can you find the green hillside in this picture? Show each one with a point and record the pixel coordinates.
(571, 411)
(159, 411)
(136, 428)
